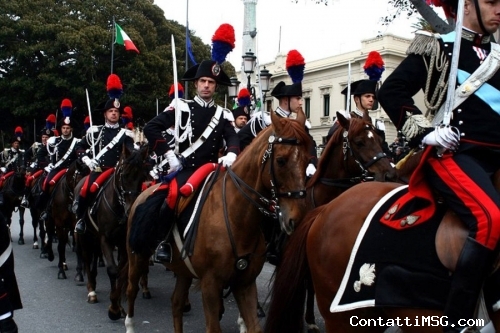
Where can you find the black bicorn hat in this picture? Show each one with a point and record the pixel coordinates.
(295, 67)
(207, 68)
(361, 87)
(114, 89)
(244, 100)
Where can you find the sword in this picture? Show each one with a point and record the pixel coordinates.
(450, 94)
(348, 106)
(176, 97)
(98, 169)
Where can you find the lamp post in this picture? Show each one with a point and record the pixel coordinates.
(233, 89)
(249, 62)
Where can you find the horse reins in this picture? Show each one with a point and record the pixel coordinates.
(271, 208)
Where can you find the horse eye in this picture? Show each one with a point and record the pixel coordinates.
(281, 161)
(359, 142)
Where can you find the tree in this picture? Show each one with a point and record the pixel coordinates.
(50, 50)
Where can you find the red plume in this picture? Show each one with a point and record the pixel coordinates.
(114, 86)
(18, 131)
(51, 118)
(225, 34)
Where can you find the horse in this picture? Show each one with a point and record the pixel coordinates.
(229, 249)
(353, 154)
(13, 190)
(106, 228)
(60, 218)
(320, 249)
(33, 195)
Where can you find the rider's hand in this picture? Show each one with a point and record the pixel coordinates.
(173, 162)
(445, 137)
(33, 165)
(310, 170)
(49, 167)
(267, 118)
(91, 163)
(228, 159)
(3, 169)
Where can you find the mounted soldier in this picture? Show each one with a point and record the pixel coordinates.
(57, 155)
(11, 159)
(464, 132)
(290, 99)
(241, 113)
(100, 149)
(31, 158)
(204, 124)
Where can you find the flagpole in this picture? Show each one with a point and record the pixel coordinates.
(113, 44)
(187, 59)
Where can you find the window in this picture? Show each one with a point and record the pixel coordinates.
(307, 106)
(326, 105)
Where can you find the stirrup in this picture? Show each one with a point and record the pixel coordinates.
(43, 216)
(25, 203)
(163, 253)
(80, 227)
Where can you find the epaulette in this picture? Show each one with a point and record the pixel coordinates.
(228, 115)
(424, 43)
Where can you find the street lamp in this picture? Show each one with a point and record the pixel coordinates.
(249, 61)
(232, 90)
(265, 82)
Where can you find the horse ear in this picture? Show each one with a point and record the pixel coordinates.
(125, 150)
(301, 117)
(144, 151)
(343, 121)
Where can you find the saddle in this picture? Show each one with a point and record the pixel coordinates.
(4, 177)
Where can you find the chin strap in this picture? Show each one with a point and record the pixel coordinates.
(479, 18)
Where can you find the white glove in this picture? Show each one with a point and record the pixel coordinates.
(446, 137)
(51, 140)
(33, 165)
(228, 159)
(267, 119)
(3, 169)
(379, 124)
(92, 164)
(173, 161)
(154, 173)
(310, 170)
(49, 167)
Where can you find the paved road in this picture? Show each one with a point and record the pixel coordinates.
(60, 305)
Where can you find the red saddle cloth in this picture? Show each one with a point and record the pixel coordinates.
(101, 179)
(417, 205)
(4, 177)
(32, 177)
(194, 182)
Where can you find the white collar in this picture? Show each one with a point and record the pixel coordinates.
(282, 113)
(14, 150)
(69, 138)
(203, 103)
(108, 125)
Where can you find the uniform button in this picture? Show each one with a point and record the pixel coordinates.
(459, 110)
(445, 45)
(449, 54)
(462, 134)
(460, 122)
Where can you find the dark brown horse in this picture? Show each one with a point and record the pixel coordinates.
(107, 218)
(320, 249)
(33, 196)
(60, 218)
(229, 250)
(13, 190)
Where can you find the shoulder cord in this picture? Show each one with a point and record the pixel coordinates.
(441, 66)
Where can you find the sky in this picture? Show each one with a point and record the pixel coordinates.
(315, 30)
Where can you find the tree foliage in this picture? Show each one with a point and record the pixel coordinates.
(50, 50)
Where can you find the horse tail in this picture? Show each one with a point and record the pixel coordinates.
(288, 294)
(144, 228)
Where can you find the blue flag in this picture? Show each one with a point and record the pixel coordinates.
(188, 47)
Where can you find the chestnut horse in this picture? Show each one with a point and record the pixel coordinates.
(229, 250)
(320, 249)
(353, 155)
(106, 224)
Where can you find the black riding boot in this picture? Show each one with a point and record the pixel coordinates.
(24, 201)
(80, 215)
(1, 197)
(163, 252)
(8, 325)
(470, 272)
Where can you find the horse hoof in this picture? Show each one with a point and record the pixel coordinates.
(101, 263)
(146, 295)
(113, 315)
(35, 247)
(50, 256)
(78, 278)
(187, 308)
(20, 241)
(65, 266)
(92, 299)
(313, 329)
(260, 312)
(44, 255)
(62, 275)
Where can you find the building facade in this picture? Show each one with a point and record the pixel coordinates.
(324, 80)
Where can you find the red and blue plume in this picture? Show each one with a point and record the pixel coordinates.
(86, 123)
(50, 122)
(374, 66)
(114, 86)
(18, 132)
(244, 97)
(295, 65)
(180, 91)
(127, 115)
(66, 108)
(222, 42)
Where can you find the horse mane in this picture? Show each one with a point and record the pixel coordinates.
(355, 126)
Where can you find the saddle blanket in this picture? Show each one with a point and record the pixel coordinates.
(394, 267)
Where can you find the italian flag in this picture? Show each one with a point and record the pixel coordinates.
(123, 39)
